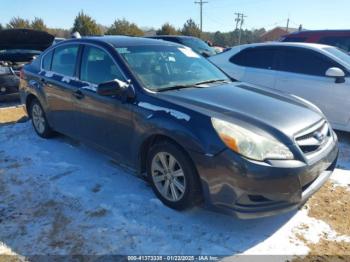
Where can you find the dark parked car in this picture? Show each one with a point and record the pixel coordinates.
(195, 43)
(18, 47)
(337, 38)
(166, 111)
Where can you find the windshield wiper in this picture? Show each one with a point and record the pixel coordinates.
(176, 87)
(196, 85)
(211, 81)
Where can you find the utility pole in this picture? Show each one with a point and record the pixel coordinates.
(239, 22)
(287, 24)
(201, 3)
(237, 19)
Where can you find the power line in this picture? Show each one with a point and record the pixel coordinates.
(201, 3)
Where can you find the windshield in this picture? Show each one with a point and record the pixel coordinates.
(161, 67)
(198, 44)
(340, 54)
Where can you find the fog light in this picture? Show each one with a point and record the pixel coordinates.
(3, 89)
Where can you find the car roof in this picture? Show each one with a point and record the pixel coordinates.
(121, 41)
(169, 36)
(291, 44)
(312, 32)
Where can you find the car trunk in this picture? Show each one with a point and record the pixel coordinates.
(17, 48)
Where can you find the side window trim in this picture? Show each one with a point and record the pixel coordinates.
(53, 49)
(43, 57)
(80, 59)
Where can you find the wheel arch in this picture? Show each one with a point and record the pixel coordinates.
(29, 99)
(159, 138)
(152, 139)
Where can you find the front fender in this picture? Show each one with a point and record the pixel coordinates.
(194, 132)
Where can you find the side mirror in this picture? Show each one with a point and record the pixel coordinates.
(336, 73)
(116, 88)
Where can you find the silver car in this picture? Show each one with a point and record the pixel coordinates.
(317, 73)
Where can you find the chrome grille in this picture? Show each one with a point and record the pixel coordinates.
(314, 138)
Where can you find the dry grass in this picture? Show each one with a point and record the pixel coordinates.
(12, 114)
(332, 205)
(326, 250)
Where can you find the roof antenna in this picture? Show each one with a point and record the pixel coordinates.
(76, 35)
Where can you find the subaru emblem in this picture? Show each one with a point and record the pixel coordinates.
(319, 136)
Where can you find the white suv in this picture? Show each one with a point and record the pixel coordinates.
(317, 73)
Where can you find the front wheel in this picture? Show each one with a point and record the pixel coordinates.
(173, 176)
(39, 120)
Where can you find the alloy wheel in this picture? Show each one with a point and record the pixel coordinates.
(168, 176)
(38, 118)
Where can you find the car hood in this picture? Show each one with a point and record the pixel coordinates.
(265, 109)
(25, 39)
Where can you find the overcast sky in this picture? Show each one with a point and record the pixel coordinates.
(217, 15)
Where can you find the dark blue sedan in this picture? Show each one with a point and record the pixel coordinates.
(167, 112)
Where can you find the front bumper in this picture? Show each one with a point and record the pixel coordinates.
(250, 189)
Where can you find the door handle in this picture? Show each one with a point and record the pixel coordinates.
(78, 94)
(43, 80)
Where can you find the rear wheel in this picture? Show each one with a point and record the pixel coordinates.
(172, 175)
(39, 120)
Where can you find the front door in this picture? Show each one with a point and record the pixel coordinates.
(105, 121)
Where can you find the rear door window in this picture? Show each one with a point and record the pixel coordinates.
(257, 57)
(98, 67)
(303, 61)
(47, 60)
(64, 60)
(342, 42)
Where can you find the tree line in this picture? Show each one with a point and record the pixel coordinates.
(87, 26)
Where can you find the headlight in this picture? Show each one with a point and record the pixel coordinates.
(250, 144)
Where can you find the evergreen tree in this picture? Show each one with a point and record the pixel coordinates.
(167, 29)
(17, 22)
(85, 25)
(38, 24)
(124, 27)
(190, 28)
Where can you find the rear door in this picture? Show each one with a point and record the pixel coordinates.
(104, 121)
(256, 66)
(302, 72)
(58, 76)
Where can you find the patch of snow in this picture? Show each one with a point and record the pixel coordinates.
(66, 79)
(174, 113)
(49, 74)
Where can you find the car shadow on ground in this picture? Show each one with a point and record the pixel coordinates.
(69, 199)
(9, 103)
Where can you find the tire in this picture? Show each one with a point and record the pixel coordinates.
(39, 120)
(173, 176)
